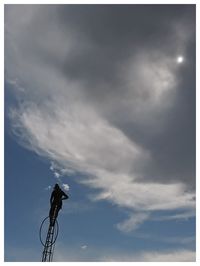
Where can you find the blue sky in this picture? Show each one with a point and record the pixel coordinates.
(95, 103)
(87, 224)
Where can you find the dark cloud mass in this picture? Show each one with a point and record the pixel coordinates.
(113, 33)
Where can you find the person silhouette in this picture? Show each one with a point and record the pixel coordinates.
(57, 196)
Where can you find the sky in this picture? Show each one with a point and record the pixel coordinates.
(101, 100)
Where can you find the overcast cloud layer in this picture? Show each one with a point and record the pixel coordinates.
(100, 92)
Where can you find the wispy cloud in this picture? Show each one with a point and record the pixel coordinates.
(155, 256)
(169, 256)
(57, 175)
(180, 240)
(107, 254)
(66, 187)
(84, 247)
(179, 216)
(133, 222)
(81, 253)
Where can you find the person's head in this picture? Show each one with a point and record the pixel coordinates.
(56, 186)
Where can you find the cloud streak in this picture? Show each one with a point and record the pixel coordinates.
(93, 253)
(168, 256)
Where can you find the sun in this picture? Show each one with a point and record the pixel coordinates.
(180, 59)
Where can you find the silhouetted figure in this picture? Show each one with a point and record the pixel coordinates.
(57, 196)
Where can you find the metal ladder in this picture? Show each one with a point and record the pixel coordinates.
(47, 254)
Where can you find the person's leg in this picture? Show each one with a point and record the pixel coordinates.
(51, 214)
(50, 211)
(56, 210)
(54, 214)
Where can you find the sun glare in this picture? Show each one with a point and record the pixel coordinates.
(179, 59)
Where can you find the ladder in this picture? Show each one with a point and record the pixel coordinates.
(47, 254)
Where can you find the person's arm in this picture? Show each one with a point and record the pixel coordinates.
(52, 196)
(64, 196)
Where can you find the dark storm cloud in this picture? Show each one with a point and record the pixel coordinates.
(112, 35)
(115, 32)
(174, 149)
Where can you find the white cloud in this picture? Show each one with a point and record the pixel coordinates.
(76, 143)
(142, 196)
(84, 247)
(107, 254)
(184, 215)
(79, 137)
(85, 142)
(75, 253)
(150, 96)
(52, 166)
(56, 174)
(66, 187)
(133, 222)
(170, 256)
(180, 240)
(155, 256)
